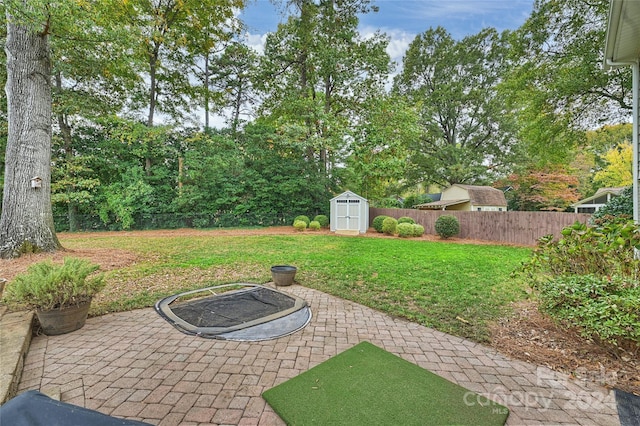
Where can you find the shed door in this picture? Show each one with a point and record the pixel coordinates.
(348, 214)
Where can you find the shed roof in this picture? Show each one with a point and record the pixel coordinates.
(348, 194)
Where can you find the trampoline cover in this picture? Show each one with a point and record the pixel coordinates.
(238, 311)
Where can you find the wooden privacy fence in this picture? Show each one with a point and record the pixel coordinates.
(522, 228)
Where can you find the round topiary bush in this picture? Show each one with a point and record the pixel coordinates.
(322, 220)
(377, 223)
(405, 230)
(303, 218)
(406, 219)
(447, 226)
(314, 225)
(389, 226)
(300, 225)
(418, 230)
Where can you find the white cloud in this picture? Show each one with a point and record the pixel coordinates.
(459, 17)
(399, 44)
(255, 41)
(431, 9)
(399, 41)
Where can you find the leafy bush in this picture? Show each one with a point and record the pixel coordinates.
(604, 250)
(405, 219)
(322, 220)
(300, 225)
(622, 205)
(303, 218)
(606, 308)
(447, 226)
(377, 222)
(201, 222)
(414, 200)
(389, 226)
(47, 286)
(387, 203)
(314, 225)
(405, 230)
(589, 279)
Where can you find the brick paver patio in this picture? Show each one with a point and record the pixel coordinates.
(136, 365)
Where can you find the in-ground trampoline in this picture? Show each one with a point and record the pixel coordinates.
(240, 311)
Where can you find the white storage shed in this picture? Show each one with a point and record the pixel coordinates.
(349, 213)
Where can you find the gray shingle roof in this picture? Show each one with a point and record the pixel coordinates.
(485, 195)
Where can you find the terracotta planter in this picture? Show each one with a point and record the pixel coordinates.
(61, 321)
(283, 275)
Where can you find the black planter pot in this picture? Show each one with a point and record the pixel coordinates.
(283, 275)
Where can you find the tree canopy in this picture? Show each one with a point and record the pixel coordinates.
(453, 85)
(134, 84)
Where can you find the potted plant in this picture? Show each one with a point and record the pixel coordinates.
(60, 294)
(283, 275)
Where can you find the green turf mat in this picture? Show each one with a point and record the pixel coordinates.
(366, 385)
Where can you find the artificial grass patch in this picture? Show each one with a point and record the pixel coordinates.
(366, 385)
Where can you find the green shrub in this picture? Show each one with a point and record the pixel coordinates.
(389, 226)
(314, 225)
(414, 200)
(405, 219)
(418, 230)
(377, 222)
(606, 308)
(300, 225)
(405, 230)
(322, 220)
(303, 218)
(604, 250)
(620, 206)
(387, 203)
(447, 226)
(201, 222)
(48, 286)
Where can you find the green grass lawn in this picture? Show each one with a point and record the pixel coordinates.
(455, 288)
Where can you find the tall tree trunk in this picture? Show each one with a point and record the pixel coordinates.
(26, 224)
(206, 92)
(303, 64)
(324, 161)
(153, 96)
(180, 174)
(153, 69)
(65, 130)
(236, 108)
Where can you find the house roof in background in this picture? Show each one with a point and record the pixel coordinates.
(438, 205)
(614, 191)
(484, 195)
(599, 193)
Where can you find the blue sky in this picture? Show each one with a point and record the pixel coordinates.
(402, 20)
